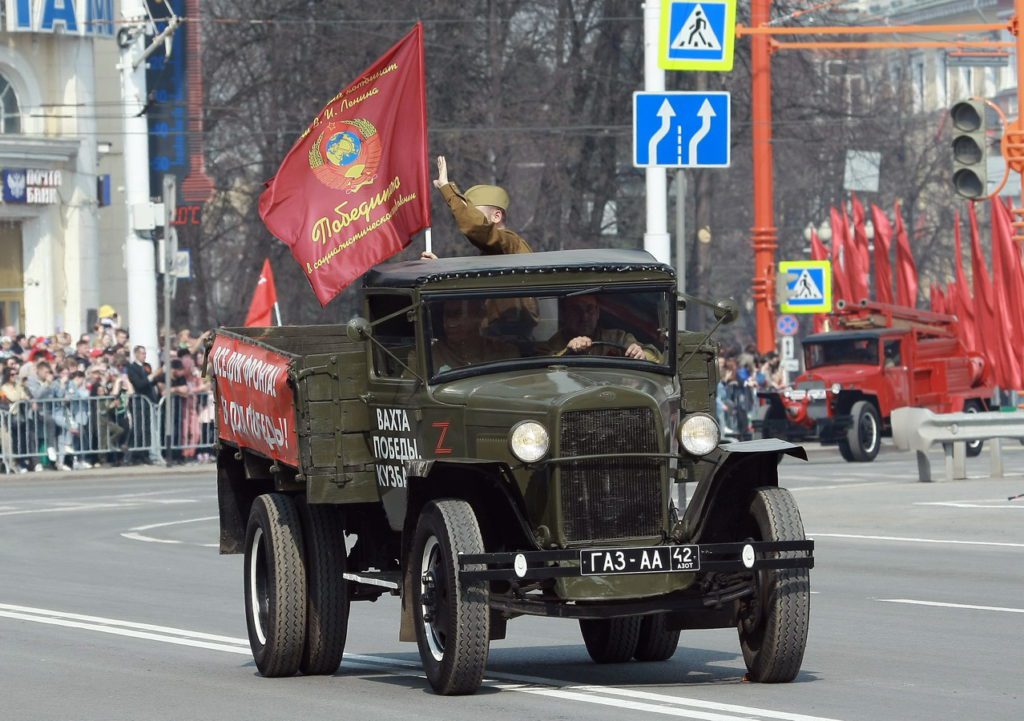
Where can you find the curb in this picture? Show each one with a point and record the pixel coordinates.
(141, 469)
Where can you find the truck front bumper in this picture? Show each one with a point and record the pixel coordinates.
(732, 565)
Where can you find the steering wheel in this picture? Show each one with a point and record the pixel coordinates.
(620, 347)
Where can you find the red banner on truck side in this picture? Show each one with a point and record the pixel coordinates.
(254, 401)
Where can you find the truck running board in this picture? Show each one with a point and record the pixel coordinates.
(383, 579)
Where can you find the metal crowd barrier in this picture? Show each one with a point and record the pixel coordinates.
(65, 433)
(917, 429)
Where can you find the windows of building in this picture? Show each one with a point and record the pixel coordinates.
(10, 111)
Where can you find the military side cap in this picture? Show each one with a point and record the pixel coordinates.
(488, 195)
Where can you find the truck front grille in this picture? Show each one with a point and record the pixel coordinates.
(610, 498)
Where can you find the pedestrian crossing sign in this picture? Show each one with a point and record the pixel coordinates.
(806, 286)
(697, 34)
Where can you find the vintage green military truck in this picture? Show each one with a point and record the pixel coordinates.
(500, 436)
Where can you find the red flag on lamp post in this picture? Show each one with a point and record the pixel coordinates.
(883, 265)
(906, 270)
(354, 188)
(840, 255)
(264, 299)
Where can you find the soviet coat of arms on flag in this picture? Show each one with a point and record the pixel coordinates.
(354, 188)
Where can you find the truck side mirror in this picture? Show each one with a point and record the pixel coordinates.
(359, 329)
(726, 311)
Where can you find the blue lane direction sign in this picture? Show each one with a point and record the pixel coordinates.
(697, 35)
(681, 130)
(808, 286)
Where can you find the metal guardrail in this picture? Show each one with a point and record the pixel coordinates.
(918, 429)
(65, 433)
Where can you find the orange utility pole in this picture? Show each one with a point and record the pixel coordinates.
(762, 45)
(764, 233)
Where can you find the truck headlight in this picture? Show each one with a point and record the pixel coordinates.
(698, 434)
(529, 441)
(836, 388)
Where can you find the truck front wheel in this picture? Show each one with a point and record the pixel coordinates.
(864, 438)
(774, 622)
(452, 616)
(611, 640)
(275, 585)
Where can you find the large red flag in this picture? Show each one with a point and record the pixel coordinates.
(355, 187)
(906, 271)
(936, 298)
(1009, 296)
(883, 264)
(962, 301)
(985, 315)
(818, 252)
(263, 299)
(860, 261)
(841, 287)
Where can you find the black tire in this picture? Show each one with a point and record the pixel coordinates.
(774, 623)
(844, 450)
(328, 603)
(655, 642)
(864, 438)
(275, 585)
(611, 640)
(452, 616)
(974, 447)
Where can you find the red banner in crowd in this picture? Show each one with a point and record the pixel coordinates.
(355, 187)
(263, 298)
(254, 401)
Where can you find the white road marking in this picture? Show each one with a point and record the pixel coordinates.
(985, 503)
(915, 540)
(134, 534)
(965, 606)
(624, 698)
(95, 506)
(840, 485)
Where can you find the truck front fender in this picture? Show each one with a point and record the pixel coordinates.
(720, 502)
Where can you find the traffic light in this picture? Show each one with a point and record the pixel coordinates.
(970, 149)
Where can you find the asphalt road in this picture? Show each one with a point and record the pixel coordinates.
(114, 604)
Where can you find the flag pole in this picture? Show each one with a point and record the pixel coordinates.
(427, 239)
(277, 312)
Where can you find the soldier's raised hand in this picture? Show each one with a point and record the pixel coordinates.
(442, 172)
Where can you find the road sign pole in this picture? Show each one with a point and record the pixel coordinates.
(763, 232)
(656, 238)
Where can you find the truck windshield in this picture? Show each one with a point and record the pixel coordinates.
(586, 326)
(852, 351)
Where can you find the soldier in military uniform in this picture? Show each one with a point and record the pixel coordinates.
(480, 213)
(579, 315)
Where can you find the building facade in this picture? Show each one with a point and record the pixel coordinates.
(62, 227)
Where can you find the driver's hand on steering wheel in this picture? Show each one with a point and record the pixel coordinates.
(580, 344)
(635, 351)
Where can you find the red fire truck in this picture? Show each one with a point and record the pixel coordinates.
(880, 357)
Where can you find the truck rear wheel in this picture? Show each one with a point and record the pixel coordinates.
(974, 447)
(774, 622)
(864, 438)
(452, 616)
(275, 585)
(611, 640)
(328, 602)
(655, 643)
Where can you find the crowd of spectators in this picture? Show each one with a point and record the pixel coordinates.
(100, 379)
(741, 375)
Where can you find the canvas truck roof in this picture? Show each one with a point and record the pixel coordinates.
(520, 267)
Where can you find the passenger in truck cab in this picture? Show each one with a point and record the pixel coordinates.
(459, 339)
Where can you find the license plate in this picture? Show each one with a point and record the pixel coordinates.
(650, 559)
